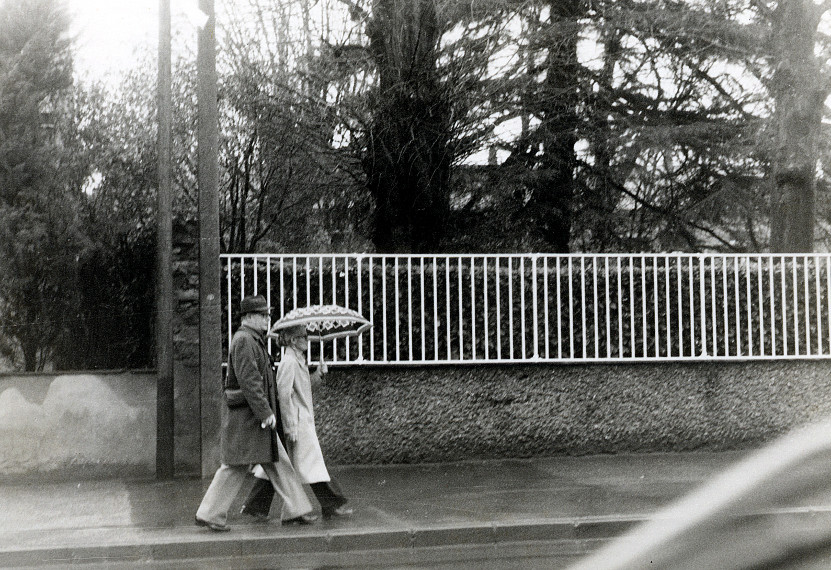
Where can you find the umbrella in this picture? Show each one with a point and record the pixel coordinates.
(323, 322)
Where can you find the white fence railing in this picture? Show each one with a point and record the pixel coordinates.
(437, 309)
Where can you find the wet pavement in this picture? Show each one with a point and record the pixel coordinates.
(401, 509)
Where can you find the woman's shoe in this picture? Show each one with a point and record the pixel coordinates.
(259, 516)
(341, 511)
(302, 519)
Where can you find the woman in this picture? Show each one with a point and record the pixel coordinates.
(294, 392)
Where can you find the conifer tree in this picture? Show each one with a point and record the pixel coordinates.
(39, 234)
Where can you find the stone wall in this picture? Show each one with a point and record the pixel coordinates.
(380, 415)
(187, 458)
(93, 425)
(77, 425)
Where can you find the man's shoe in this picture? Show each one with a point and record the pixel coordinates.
(341, 511)
(213, 526)
(302, 519)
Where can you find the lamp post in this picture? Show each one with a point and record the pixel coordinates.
(210, 339)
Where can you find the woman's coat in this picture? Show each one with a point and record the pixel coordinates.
(243, 440)
(294, 390)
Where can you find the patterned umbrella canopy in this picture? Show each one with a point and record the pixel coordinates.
(323, 322)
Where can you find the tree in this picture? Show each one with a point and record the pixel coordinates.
(677, 155)
(116, 150)
(40, 238)
(287, 183)
(407, 156)
(799, 84)
(553, 101)
(429, 102)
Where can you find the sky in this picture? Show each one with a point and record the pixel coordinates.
(108, 33)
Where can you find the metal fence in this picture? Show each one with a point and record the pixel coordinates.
(437, 309)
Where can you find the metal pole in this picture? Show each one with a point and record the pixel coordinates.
(164, 249)
(210, 343)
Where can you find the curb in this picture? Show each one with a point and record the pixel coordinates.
(179, 545)
(167, 547)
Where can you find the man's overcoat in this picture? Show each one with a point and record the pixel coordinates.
(243, 440)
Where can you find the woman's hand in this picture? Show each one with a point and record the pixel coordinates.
(316, 377)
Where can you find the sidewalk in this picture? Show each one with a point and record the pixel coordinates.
(396, 507)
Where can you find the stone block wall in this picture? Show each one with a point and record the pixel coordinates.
(186, 388)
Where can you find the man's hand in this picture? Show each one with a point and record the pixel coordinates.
(270, 422)
(323, 368)
(291, 436)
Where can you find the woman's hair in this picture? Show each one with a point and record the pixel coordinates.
(287, 336)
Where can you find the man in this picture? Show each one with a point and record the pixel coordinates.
(248, 427)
